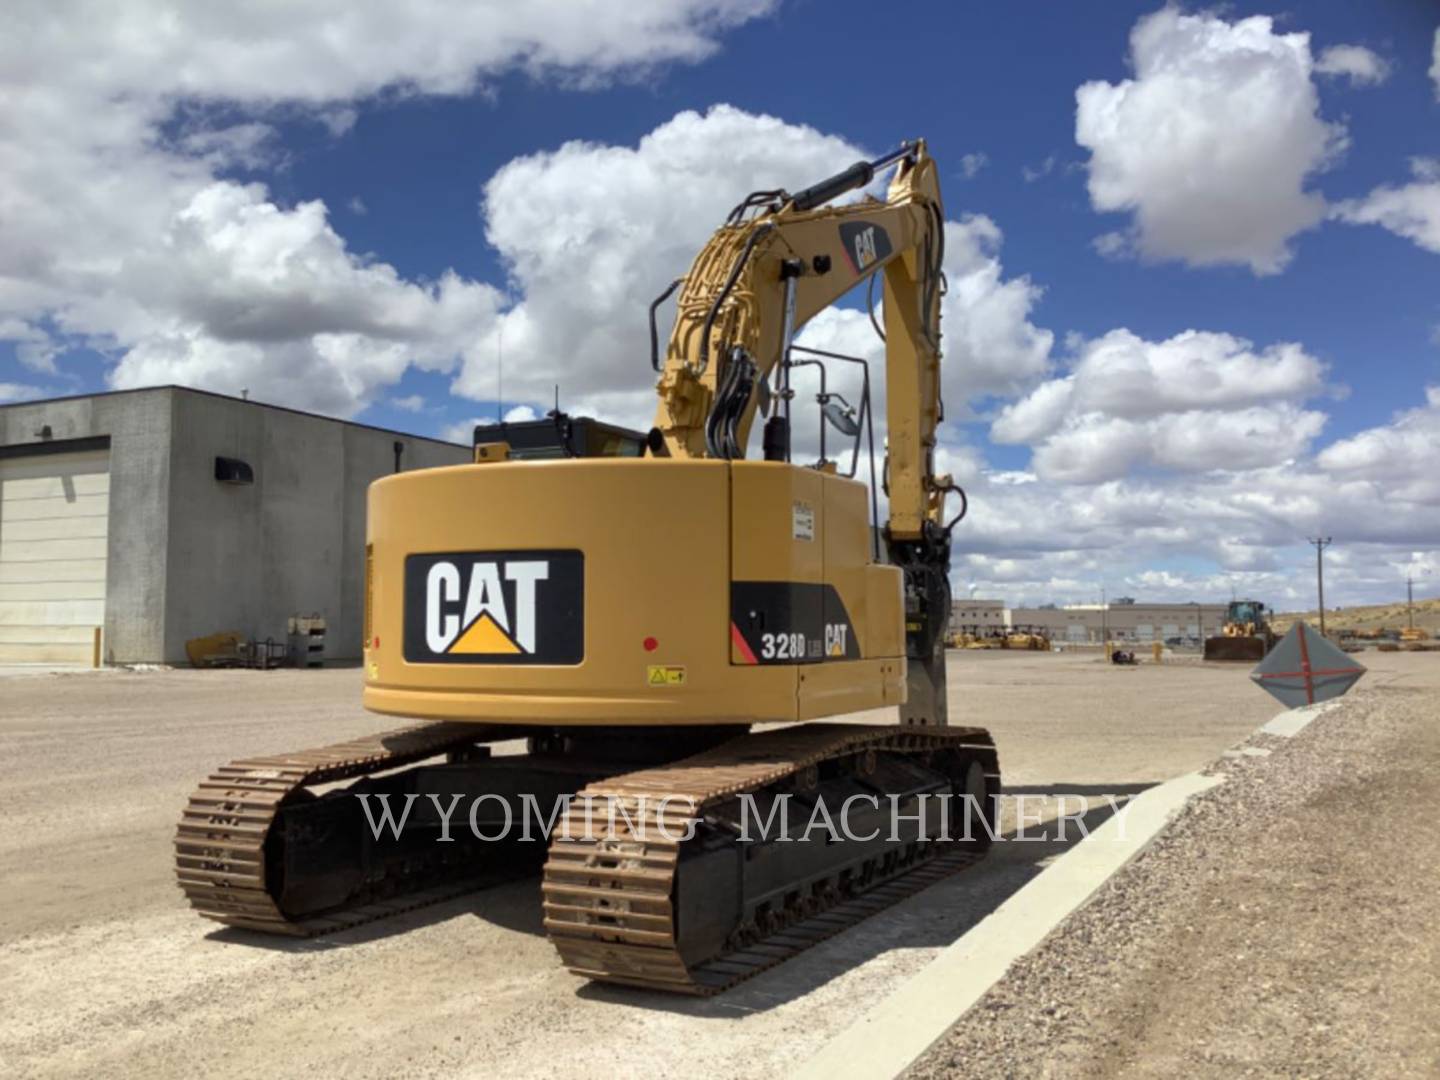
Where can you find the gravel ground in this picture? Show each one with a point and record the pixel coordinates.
(103, 971)
(1285, 925)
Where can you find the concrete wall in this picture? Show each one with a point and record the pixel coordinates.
(247, 557)
(370, 455)
(138, 426)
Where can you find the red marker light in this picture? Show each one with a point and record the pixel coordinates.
(650, 644)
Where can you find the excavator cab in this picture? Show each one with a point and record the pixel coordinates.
(557, 435)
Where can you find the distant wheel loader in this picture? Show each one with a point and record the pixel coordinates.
(1246, 634)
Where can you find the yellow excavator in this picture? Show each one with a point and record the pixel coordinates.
(660, 619)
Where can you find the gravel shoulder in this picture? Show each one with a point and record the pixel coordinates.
(1285, 924)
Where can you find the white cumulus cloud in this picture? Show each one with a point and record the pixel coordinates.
(1400, 455)
(120, 230)
(1355, 62)
(1410, 210)
(591, 233)
(1211, 144)
(1196, 402)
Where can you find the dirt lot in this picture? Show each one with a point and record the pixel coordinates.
(104, 971)
(1283, 926)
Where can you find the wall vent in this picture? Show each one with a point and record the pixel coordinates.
(229, 470)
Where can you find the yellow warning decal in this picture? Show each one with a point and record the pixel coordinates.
(662, 675)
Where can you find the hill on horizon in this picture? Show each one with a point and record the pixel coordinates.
(1368, 617)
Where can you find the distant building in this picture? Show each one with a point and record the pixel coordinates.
(985, 614)
(1129, 621)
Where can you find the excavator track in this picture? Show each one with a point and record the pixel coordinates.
(611, 890)
(220, 843)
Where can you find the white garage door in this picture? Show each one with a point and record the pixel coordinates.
(54, 515)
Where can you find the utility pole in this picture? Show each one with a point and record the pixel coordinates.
(1320, 543)
(1410, 600)
(1104, 622)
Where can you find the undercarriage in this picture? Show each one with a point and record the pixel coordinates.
(676, 859)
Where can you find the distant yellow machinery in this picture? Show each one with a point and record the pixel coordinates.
(975, 637)
(630, 604)
(1028, 637)
(1246, 633)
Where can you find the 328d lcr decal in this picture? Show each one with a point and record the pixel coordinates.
(495, 607)
(789, 622)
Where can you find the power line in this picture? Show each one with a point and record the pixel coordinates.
(1320, 543)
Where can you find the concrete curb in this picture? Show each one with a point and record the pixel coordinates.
(907, 1023)
(1291, 722)
(899, 1030)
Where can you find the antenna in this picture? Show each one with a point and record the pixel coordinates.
(500, 372)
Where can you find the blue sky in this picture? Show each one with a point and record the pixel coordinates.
(306, 215)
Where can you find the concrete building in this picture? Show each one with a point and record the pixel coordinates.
(1129, 622)
(985, 614)
(165, 514)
